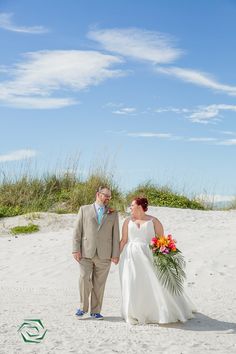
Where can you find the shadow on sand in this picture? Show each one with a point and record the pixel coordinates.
(202, 322)
(105, 318)
(199, 323)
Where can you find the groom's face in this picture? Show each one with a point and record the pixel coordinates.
(104, 196)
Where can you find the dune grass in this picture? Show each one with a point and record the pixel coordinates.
(65, 192)
(57, 192)
(232, 204)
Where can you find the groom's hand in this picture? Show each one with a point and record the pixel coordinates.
(115, 260)
(77, 256)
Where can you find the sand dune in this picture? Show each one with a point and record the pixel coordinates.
(39, 280)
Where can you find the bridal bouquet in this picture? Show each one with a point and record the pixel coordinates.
(169, 263)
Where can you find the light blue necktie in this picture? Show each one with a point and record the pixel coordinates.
(100, 214)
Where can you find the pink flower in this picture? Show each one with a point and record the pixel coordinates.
(153, 241)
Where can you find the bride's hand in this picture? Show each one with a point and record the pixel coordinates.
(115, 260)
(77, 256)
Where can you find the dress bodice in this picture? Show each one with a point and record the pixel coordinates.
(143, 233)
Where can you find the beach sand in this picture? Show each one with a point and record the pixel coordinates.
(39, 280)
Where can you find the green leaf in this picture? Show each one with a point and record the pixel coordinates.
(170, 271)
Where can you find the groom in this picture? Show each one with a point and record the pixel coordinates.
(95, 245)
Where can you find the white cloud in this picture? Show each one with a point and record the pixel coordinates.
(228, 142)
(227, 132)
(17, 155)
(39, 102)
(206, 114)
(125, 111)
(198, 78)
(113, 105)
(150, 135)
(34, 81)
(204, 139)
(156, 48)
(201, 114)
(7, 24)
(172, 109)
(139, 44)
(171, 137)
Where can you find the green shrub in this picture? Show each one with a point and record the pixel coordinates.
(163, 196)
(6, 211)
(28, 229)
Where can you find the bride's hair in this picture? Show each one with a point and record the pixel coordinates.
(142, 201)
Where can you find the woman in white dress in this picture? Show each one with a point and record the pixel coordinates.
(144, 299)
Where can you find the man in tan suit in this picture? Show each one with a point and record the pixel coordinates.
(95, 245)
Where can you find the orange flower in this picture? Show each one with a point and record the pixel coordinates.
(163, 244)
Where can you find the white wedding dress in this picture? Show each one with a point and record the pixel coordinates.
(144, 299)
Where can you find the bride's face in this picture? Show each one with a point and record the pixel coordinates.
(134, 208)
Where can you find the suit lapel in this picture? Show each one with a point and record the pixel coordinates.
(94, 213)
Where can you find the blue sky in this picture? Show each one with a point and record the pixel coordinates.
(149, 86)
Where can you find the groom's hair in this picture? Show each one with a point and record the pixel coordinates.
(101, 188)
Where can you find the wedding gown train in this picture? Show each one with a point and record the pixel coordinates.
(144, 299)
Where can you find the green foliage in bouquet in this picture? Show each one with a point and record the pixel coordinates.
(169, 263)
(170, 271)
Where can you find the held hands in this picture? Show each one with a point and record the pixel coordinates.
(77, 256)
(115, 260)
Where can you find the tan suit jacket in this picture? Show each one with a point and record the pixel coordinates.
(89, 236)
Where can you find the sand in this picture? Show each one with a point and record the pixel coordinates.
(39, 280)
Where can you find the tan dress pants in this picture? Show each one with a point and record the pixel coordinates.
(93, 276)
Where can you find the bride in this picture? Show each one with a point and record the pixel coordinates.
(144, 299)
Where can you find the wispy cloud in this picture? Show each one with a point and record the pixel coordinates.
(172, 137)
(198, 78)
(150, 135)
(201, 114)
(38, 102)
(172, 109)
(206, 114)
(209, 140)
(202, 139)
(18, 155)
(34, 82)
(125, 111)
(227, 142)
(136, 43)
(121, 109)
(227, 132)
(157, 48)
(113, 105)
(6, 23)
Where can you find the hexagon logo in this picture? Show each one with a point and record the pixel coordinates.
(32, 331)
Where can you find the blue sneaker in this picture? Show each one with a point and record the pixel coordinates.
(80, 313)
(96, 316)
